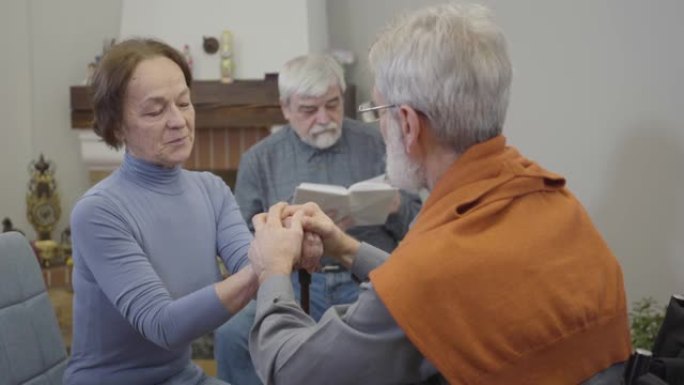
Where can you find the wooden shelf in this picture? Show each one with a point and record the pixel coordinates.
(243, 103)
(229, 118)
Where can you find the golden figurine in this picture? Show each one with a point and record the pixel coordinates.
(48, 252)
(42, 200)
(65, 247)
(227, 66)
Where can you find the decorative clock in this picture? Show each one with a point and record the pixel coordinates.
(42, 200)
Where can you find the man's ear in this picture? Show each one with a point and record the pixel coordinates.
(411, 128)
(284, 107)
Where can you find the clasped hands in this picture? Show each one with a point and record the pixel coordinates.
(291, 237)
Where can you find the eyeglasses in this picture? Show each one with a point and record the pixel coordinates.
(370, 106)
(369, 111)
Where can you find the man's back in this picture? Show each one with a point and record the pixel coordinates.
(503, 278)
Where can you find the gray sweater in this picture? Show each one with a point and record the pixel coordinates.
(145, 242)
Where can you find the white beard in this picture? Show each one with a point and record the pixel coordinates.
(323, 136)
(402, 172)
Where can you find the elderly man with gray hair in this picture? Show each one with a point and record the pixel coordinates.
(318, 145)
(502, 279)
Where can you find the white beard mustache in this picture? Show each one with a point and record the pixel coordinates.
(323, 136)
(402, 172)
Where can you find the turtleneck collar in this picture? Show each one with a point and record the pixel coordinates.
(151, 176)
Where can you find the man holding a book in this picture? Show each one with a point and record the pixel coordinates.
(318, 146)
(502, 279)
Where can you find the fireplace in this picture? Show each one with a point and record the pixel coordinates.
(229, 119)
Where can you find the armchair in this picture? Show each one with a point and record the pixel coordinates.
(31, 347)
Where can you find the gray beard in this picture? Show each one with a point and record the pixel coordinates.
(327, 136)
(401, 171)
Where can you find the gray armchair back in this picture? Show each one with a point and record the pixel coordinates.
(31, 348)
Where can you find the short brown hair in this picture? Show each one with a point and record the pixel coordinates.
(111, 78)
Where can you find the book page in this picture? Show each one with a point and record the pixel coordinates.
(323, 188)
(371, 207)
(376, 183)
(371, 200)
(367, 202)
(328, 197)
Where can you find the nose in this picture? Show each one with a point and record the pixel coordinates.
(322, 116)
(176, 119)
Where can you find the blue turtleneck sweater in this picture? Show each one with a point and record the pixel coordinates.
(145, 241)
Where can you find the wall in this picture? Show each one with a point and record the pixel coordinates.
(317, 18)
(266, 33)
(597, 97)
(15, 108)
(46, 46)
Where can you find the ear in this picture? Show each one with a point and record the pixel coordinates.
(284, 107)
(119, 134)
(411, 128)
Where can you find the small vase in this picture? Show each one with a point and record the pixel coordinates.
(227, 65)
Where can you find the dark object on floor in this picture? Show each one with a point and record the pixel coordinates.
(666, 362)
(203, 347)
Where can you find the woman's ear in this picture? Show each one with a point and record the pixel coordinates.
(119, 135)
(411, 128)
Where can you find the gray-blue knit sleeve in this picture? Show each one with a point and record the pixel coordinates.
(107, 248)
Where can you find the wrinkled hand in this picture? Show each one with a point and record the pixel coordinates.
(336, 243)
(312, 250)
(275, 248)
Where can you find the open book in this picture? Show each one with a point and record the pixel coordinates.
(367, 203)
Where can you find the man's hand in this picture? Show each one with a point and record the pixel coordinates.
(275, 248)
(312, 252)
(336, 243)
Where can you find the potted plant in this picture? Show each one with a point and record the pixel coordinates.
(646, 317)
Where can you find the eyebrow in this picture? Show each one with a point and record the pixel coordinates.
(153, 101)
(331, 100)
(162, 100)
(335, 99)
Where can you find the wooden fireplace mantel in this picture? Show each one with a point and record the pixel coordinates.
(243, 103)
(229, 118)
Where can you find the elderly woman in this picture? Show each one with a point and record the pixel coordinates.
(145, 239)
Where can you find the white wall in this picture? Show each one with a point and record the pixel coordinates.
(597, 97)
(15, 109)
(317, 15)
(266, 33)
(46, 46)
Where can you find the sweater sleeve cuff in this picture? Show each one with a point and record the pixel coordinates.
(367, 258)
(275, 289)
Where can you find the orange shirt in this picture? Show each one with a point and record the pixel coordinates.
(503, 279)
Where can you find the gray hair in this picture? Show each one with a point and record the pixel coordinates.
(449, 62)
(309, 75)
